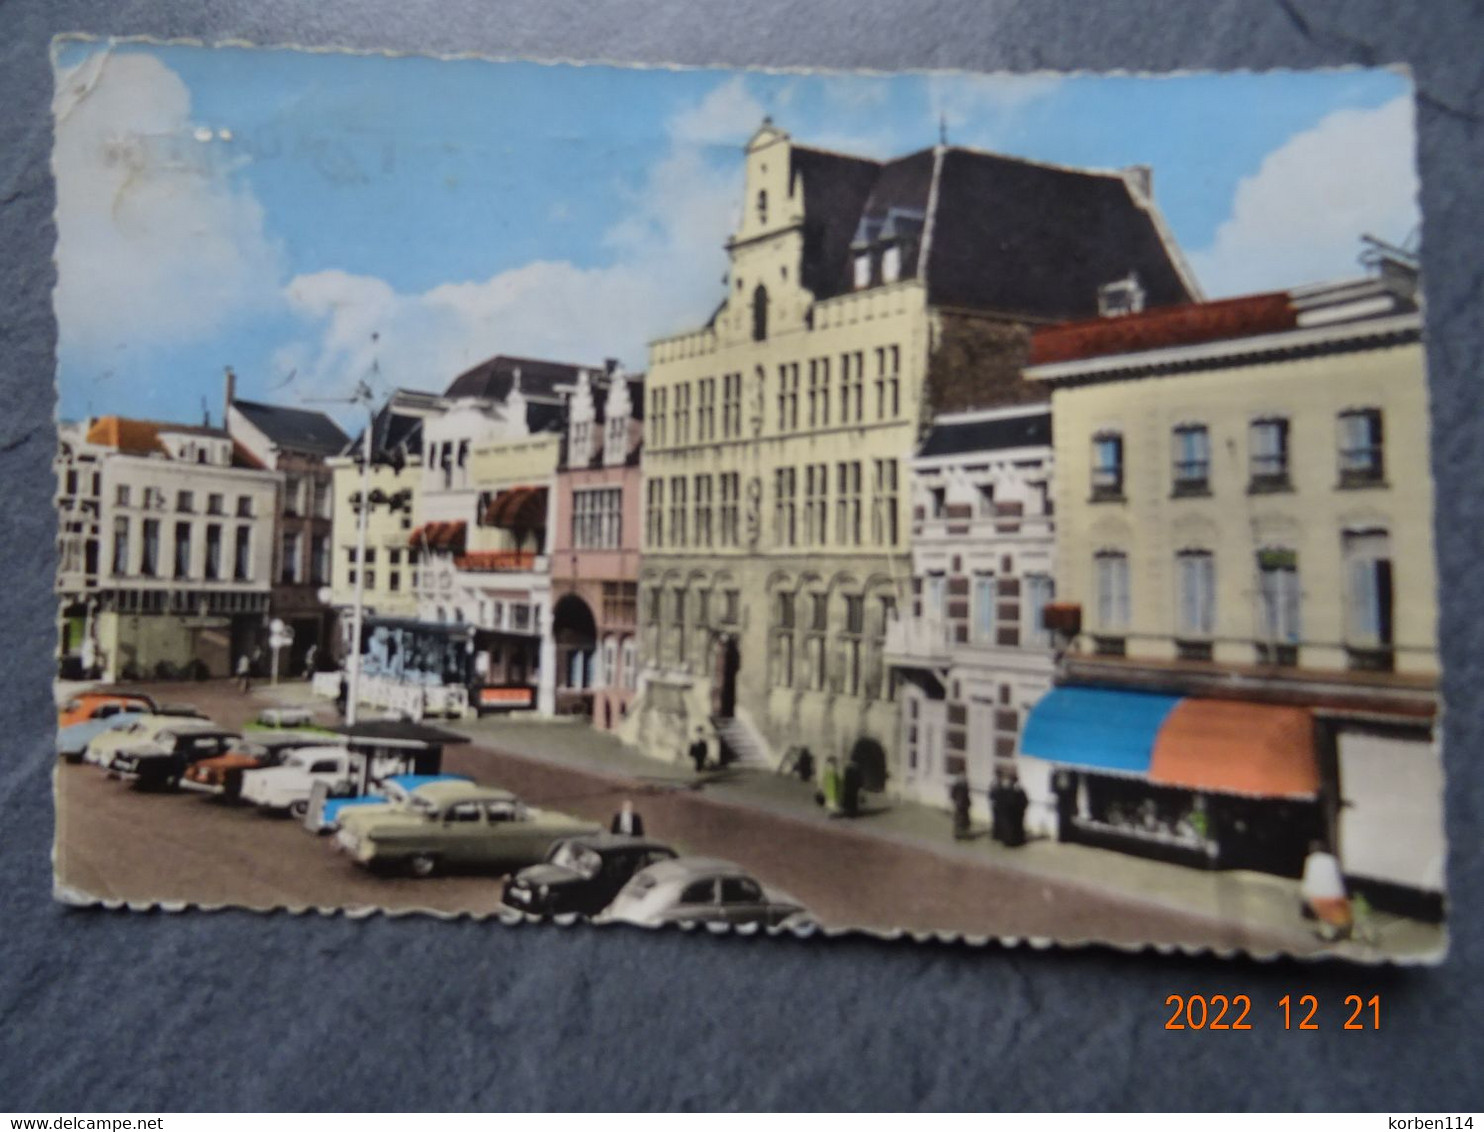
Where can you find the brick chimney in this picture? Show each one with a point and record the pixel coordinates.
(229, 394)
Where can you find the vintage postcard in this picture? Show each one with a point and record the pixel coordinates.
(941, 504)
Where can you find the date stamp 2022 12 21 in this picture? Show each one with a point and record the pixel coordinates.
(1235, 1012)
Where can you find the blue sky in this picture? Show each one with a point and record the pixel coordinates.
(272, 209)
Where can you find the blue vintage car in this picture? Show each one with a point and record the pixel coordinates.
(395, 791)
(73, 739)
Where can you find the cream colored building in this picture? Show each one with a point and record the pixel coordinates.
(862, 298)
(165, 550)
(396, 471)
(1244, 513)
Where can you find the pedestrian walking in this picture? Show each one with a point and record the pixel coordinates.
(850, 790)
(342, 695)
(1325, 899)
(626, 822)
(698, 750)
(244, 673)
(829, 787)
(311, 654)
(958, 797)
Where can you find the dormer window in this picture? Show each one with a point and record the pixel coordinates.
(762, 206)
(862, 270)
(891, 264)
(1122, 296)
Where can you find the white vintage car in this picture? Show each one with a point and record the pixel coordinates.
(289, 785)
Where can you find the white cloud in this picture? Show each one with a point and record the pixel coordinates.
(666, 272)
(1300, 217)
(975, 108)
(727, 116)
(155, 242)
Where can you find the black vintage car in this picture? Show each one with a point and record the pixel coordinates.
(582, 875)
(161, 762)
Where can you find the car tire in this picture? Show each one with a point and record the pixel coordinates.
(297, 810)
(422, 865)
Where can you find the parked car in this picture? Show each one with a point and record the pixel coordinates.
(73, 739)
(162, 760)
(455, 825)
(288, 786)
(101, 748)
(395, 792)
(582, 875)
(222, 775)
(181, 711)
(699, 890)
(98, 705)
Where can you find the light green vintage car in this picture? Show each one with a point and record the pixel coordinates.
(454, 825)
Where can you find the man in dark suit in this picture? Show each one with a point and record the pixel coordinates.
(627, 822)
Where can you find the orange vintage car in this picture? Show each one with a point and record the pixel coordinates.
(97, 705)
(222, 775)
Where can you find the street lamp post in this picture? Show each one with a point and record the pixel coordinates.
(353, 683)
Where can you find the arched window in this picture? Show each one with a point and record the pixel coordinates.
(762, 206)
(760, 313)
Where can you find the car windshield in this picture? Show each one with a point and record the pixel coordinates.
(578, 858)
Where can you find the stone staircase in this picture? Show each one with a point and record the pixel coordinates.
(744, 748)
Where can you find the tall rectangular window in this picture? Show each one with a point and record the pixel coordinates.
(852, 644)
(706, 410)
(677, 510)
(121, 544)
(657, 399)
(785, 482)
(1196, 580)
(984, 611)
(730, 488)
(597, 518)
(322, 504)
(654, 514)
(1268, 440)
(319, 560)
(185, 501)
(703, 512)
(288, 567)
(731, 405)
(1369, 598)
(182, 550)
(241, 552)
(848, 503)
(1278, 600)
(884, 504)
(1107, 466)
(1111, 568)
(1361, 448)
(783, 640)
(1040, 591)
(682, 413)
(213, 552)
(1192, 460)
(149, 550)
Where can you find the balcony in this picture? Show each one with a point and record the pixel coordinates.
(918, 640)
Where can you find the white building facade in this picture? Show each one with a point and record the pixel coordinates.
(971, 654)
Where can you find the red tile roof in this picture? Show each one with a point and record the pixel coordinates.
(1164, 327)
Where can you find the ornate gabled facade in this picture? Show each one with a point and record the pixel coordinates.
(862, 299)
(595, 549)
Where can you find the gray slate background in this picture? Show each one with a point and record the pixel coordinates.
(119, 1012)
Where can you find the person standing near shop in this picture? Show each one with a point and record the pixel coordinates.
(958, 797)
(850, 790)
(829, 787)
(244, 673)
(1010, 822)
(1323, 889)
(698, 750)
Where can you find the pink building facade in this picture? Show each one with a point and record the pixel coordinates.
(595, 550)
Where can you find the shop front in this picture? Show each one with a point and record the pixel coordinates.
(1213, 784)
